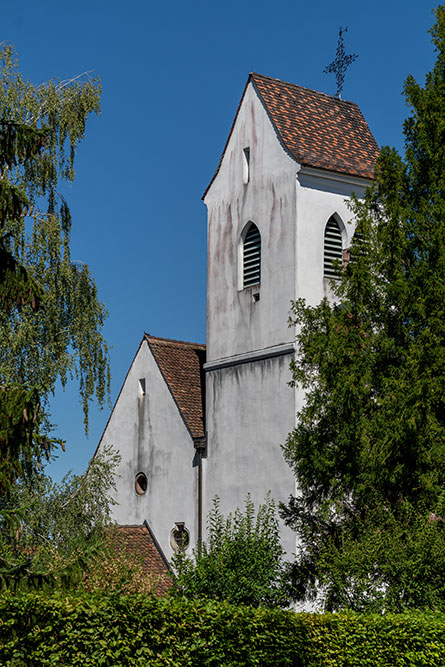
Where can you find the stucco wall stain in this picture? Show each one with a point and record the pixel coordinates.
(219, 272)
(141, 430)
(215, 239)
(242, 202)
(273, 208)
(215, 379)
(160, 464)
(148, 447)
(236, 374)
(227, 237)
(253, 124)
(231, 166)
(285, 230)
(214, 387)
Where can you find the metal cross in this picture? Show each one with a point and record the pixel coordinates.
(341, 62)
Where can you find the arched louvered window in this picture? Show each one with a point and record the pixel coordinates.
(333, 250)
(359, 246)
(252, 256)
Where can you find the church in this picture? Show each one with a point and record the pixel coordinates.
(193, 421)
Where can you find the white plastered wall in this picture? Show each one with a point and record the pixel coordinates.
(250, 407)
(250, 412)
(149, 433)
(235, 323)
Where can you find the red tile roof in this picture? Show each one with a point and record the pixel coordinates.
(181, 365)
(319, 130)
(139, 539)
(316, 129)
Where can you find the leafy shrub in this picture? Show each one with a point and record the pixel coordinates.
(61, 535)
(114, 567)
(241, 562)
(137, 630)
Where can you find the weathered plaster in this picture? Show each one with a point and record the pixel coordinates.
(236, 324)
(250, 407)
(250, 413)
(151, 437)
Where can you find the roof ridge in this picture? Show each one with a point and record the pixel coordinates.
(314, 128)
(309, 90)
(173, 341)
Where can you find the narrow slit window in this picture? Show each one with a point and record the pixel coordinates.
(246, 165)
(252, 257)
(333, 249)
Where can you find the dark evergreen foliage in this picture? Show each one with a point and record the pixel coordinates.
(369, 448)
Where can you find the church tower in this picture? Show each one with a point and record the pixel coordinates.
(189, 422)
(278, 217)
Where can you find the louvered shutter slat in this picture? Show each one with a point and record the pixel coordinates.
(252, 257)
(333, 249)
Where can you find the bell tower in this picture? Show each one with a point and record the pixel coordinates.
(277, 218)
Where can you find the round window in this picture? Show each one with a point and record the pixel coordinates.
(140, 483)
(179, 537)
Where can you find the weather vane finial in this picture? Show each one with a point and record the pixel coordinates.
(341, 62)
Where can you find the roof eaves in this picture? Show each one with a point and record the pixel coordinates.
(334, 175)
(158, 547)
(337, 169)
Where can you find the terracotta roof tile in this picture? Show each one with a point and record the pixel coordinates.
(139, 540)
(181, 365)
(319, 130)
(316, 129)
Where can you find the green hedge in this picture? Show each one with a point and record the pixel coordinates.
(135, 630)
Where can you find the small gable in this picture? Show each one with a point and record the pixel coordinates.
(316, 129)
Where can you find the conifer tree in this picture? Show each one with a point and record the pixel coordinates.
(50, 317)
(369, 448)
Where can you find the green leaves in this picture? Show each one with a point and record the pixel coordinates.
(50, 317)
(241, 562)
(50, 532)
(42, 126)
(369, 448)
(140, 630)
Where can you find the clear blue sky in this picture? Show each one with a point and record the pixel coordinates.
(172, 76)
